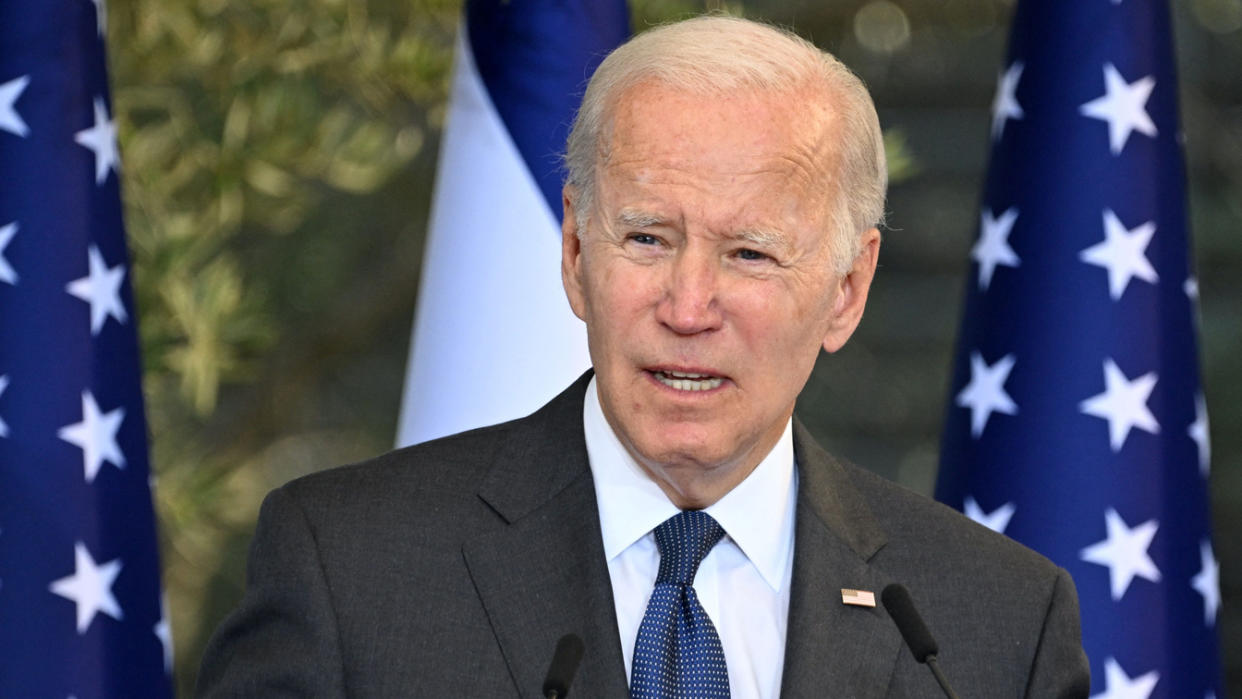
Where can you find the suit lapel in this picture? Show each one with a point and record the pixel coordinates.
(543, 574)
(834, 649)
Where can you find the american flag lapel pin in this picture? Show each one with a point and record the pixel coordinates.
(857, 598)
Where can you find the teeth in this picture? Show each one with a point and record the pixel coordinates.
(682, 381)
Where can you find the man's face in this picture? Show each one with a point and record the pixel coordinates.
(705, 276)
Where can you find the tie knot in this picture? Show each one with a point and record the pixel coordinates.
(683, 540)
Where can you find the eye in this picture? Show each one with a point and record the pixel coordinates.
(751, 255)
(644, 239)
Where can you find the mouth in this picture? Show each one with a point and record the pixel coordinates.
(687, 381)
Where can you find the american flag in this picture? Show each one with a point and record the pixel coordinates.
(80, 611)
(1077, 424)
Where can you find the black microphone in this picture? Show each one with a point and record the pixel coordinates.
(901, 608)
(564, 665)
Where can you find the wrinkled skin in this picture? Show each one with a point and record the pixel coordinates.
(706, 252)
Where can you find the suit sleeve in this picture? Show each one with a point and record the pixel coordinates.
(1060, 668)
(282, 640)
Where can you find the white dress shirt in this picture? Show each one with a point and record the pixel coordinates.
(743, 582)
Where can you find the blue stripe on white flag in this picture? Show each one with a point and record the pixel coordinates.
(80, 611)
(494, 337)
(535, 59)
(1077, 423)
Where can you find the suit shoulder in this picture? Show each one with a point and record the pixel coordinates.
(442, 468)
(992, 602)
(915, 522)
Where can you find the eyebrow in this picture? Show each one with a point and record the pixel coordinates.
(631, 218)
(762, 237)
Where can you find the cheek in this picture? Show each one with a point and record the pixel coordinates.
(614, 301)
(783, 321)
(619, 288)
(596, 279)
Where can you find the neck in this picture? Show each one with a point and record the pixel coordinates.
(696, 491)
(693, 485)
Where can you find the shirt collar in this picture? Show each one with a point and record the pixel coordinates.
(758, 514)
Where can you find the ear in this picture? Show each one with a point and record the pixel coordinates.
(571, 254)
(851, 291)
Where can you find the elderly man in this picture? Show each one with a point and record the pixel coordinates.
(725, 181)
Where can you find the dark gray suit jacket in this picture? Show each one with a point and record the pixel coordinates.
(452, 568)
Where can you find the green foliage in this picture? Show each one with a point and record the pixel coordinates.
(235, 117)
(902, 163)
(244, 124)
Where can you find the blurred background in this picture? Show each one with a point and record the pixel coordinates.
(279, 158)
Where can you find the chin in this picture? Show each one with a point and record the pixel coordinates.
(674, 450)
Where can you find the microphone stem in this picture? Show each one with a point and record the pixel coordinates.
(940, 678)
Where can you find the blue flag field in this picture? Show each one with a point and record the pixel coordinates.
(80, 611)
(1077, 424)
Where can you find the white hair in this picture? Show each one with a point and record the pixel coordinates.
(716, 54)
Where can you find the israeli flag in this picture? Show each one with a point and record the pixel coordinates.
(494, 337)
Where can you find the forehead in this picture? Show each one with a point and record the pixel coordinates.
(732, 130)
(727, 145)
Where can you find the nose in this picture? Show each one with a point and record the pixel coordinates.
(690, 302)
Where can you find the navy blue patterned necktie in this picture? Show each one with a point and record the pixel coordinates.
(678, 654)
